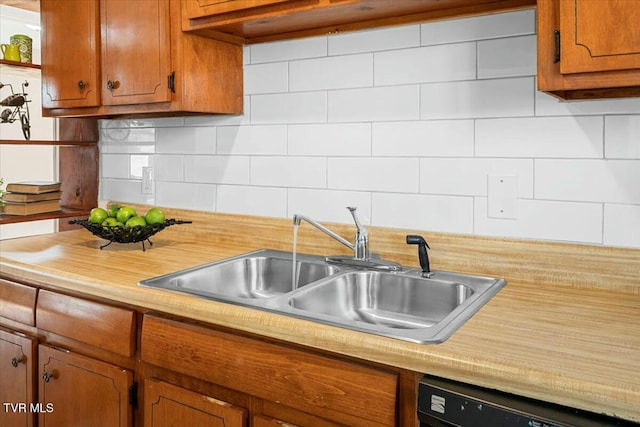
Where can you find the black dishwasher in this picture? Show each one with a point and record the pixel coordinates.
(446, 403)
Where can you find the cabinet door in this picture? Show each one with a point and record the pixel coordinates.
(166, 405)
(136, 51)
(70, 53)
(79, 391)
(599, 35)
(16, 379)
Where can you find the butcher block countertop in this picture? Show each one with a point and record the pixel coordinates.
(565, 328)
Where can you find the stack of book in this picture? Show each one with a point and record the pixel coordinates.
(32, 197)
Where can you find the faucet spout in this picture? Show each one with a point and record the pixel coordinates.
(297, 219)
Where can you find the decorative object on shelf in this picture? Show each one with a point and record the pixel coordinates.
(24, 44)
(32, 197)
(10, 52)
(18, 108)
(119, 234)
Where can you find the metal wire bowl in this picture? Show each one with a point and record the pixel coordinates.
(118, 234)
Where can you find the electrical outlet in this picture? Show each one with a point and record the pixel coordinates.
(501, 196)
(147, 180)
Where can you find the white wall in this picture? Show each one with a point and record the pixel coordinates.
(406, 123)
(24, 162)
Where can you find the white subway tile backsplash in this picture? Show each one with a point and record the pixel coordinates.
(468, 176)
(434, 138)
(136, 163)
(186, 195)
(307, 172)
(373, 174)
(255, 140)
(336, 72)
(331, 139)
(329, 205)
(374, 104)
(622, 135)
(266, 78)
(425, 64)
(217, 169)
(303, 107)
(612, 181)
(540, 219)
(404, 122)
(479, 28)
(509, 57)
(124, 190)
(548, 105)
(375, 40)
(423, 212)
(577, 137)
(168, 167)
(622, 225)
(252, 200)
(477, 99)
(288, 50)
(191, 140)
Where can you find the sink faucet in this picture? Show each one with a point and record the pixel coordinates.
(360, 247)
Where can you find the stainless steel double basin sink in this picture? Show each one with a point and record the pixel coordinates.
(401, 304)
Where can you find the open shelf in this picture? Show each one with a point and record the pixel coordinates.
(19, 64)
(45, 142)
(62, 213)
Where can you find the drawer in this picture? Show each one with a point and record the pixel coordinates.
(347, 392)
(18, 302)
(93, 323)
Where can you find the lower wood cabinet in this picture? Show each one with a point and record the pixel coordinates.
(289, 384)
(167, 405)
(76, 390)
(17, 366)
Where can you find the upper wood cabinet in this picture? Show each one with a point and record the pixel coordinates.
(255, 21)
(70, 54)
(136, 59)
(589, 49)
(106, 58)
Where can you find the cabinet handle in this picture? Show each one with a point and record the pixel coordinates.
(81, 84)
(113, 84)
(47, 377)
(16, 361)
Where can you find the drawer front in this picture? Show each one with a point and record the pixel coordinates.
(99, 325)
(343, 391)
(18, 302)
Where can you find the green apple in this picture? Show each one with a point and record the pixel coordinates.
(124, 213)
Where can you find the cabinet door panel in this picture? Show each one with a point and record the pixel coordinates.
(135, 51)
(599, 35)
(167, 405)
(70, 54)
(80, 391)
(16, 379)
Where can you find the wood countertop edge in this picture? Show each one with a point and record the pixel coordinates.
(436, 360)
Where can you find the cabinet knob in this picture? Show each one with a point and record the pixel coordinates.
(81, 84)
(16, 361)
(113, 84)
(47, 377)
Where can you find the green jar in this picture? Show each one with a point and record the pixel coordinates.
(24, 44)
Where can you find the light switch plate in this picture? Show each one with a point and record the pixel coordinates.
(502, 196)
(147, 180)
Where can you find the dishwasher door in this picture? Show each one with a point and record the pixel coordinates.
(446, 403)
